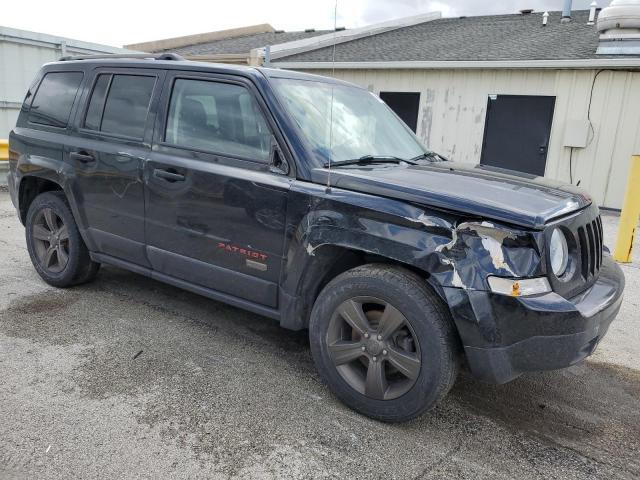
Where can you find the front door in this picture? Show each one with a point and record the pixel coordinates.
(215, 213)
(110, 144)
(517, 131)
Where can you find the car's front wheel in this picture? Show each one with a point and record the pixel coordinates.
(384, 342)
(55, 246)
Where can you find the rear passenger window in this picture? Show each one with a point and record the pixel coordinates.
(94, 112)
(217, 117)
(119, 104)
(54, 99)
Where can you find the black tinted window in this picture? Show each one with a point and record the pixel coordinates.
(126, 105)
(217, 117)
(54, 99)
(96, 104)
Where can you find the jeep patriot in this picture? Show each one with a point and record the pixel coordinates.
(305, 199)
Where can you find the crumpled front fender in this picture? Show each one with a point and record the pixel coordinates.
(452, 251)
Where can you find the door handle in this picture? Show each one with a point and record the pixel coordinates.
(168, 175)
(83, 157)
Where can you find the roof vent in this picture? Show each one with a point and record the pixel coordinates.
(592, 13)
(526, 11)
(619, 27)
(278, 31)
(339, 29)
(310, 30)
(545, 19)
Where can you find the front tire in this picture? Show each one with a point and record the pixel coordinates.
(55, 246)
(384, 342)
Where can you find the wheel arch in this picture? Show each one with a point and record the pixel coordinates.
(324, 263)
(30, 187)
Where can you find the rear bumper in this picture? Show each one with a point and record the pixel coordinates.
(504, 337)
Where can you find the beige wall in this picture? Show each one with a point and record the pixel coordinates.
(453, 104)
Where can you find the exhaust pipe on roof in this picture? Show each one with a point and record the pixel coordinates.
(592, 13)
(566, 11)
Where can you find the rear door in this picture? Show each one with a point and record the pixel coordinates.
(215, 213)
(111, 141)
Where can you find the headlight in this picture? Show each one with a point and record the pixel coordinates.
(558, 253)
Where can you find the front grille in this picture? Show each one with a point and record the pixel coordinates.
(590, 238)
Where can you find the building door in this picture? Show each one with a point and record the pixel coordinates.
(405, 104)
(516, 132)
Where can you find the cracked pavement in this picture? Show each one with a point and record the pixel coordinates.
(130, 378)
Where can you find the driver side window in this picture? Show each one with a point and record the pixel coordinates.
(221, 118)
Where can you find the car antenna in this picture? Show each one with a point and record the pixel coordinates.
(333, 74)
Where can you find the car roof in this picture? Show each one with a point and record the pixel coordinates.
(247, 71)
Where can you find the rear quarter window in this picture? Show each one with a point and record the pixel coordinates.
(54, 99)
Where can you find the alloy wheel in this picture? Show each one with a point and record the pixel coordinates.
(51, 240)
(374, 348)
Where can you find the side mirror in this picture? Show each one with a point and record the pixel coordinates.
(277, 164)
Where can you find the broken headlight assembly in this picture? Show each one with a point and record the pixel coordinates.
(559, 261)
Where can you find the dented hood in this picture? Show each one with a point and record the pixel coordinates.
(519, 199)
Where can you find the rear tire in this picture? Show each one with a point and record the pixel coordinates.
(384, 342)
(55, 246)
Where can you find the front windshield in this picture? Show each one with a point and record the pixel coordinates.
(363, 124)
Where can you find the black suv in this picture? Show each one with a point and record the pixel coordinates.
(305, 199)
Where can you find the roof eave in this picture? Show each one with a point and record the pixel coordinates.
(589, 63)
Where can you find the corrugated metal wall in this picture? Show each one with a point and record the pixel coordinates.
(20, 64)
(22, 53)
(453, 105)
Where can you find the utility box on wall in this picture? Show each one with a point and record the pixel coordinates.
(576, 133)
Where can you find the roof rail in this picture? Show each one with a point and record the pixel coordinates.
(141, 56)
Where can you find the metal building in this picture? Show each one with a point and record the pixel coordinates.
(22, 53)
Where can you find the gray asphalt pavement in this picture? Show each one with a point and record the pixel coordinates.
(130, 378)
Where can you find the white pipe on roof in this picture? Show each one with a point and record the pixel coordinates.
(341, 36)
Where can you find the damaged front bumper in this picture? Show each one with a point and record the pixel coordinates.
(504, 336)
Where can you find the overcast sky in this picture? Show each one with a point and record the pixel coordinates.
(119, 22)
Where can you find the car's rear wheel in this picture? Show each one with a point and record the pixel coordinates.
(55, 246)
(384, 342)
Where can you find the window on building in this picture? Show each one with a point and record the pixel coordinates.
(217, 117)
(54, 99)
(119, 104)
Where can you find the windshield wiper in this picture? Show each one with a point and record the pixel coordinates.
(431, 156)
(371, 159)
